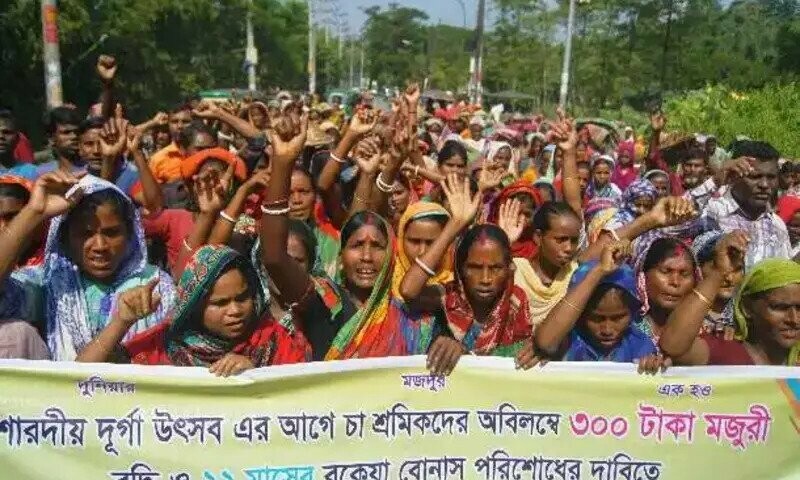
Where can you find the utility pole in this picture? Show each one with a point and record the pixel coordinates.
(562, 98)
(251, 53)
(352, 55)
(52, 57)
(361, 67)
(312, 53)
(476, 63)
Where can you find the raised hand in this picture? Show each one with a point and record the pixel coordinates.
(137, 303)
(490, 177)
(49, 199)
(564, 132)
(134, 139)
(367, 156)
(206, 110)
(463, 206)
(106, 68)
(160, 119)
(212, 189)
(258, 182)
(658, 121)
(510, 220)
(286, 151)
(730, 251)
(614, 254)
(412, 95)
(363, 122)
(114, 136)
(231, 364)
(671, 211)
(737, 167)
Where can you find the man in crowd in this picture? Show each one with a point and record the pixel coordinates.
(9, 139)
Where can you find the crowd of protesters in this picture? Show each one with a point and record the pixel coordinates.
(239, 234)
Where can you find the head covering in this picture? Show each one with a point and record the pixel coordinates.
(703, 250)
(191, 165)
(181, 341)
(652, 173)
(641, 248)
(625, 175)
(638, 189)
(417, 211)
(7, 179)
(704, 244)
(372, 331)
(506, 327)
(634, 345)
(764, 276)
(787, 206)
(495, 147)
(77, 309)
(598, 212)
(546, 162)
(603, 158)
(524, 247)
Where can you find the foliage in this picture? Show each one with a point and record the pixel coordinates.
(395, 39)
(769, 113)
(167, 49)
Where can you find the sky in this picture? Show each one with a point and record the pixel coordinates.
(446, 11)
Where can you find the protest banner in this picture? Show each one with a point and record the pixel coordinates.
(387, 419)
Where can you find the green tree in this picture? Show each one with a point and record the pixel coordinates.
(395, 44)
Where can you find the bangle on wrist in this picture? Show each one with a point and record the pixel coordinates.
(224, 215)
(274, 212)
(425, 268)
(383, 186)
(702, 297)
(337, 159)
(187, 246)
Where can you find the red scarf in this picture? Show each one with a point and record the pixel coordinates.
(508, 323)
(268, 344)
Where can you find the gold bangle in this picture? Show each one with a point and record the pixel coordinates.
(570, 304)
(702, 297)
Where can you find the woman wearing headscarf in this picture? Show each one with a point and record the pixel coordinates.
(719, 318)
(420, 226)
(358, 320)
(500, 157)
(486, 313)
(625, 172)
(765, 308)
(601, 185)
(598, 319)
(598, 212)
(220, 321)
(95, 250)
(660, 180)
(637, 199)
(666, 271)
